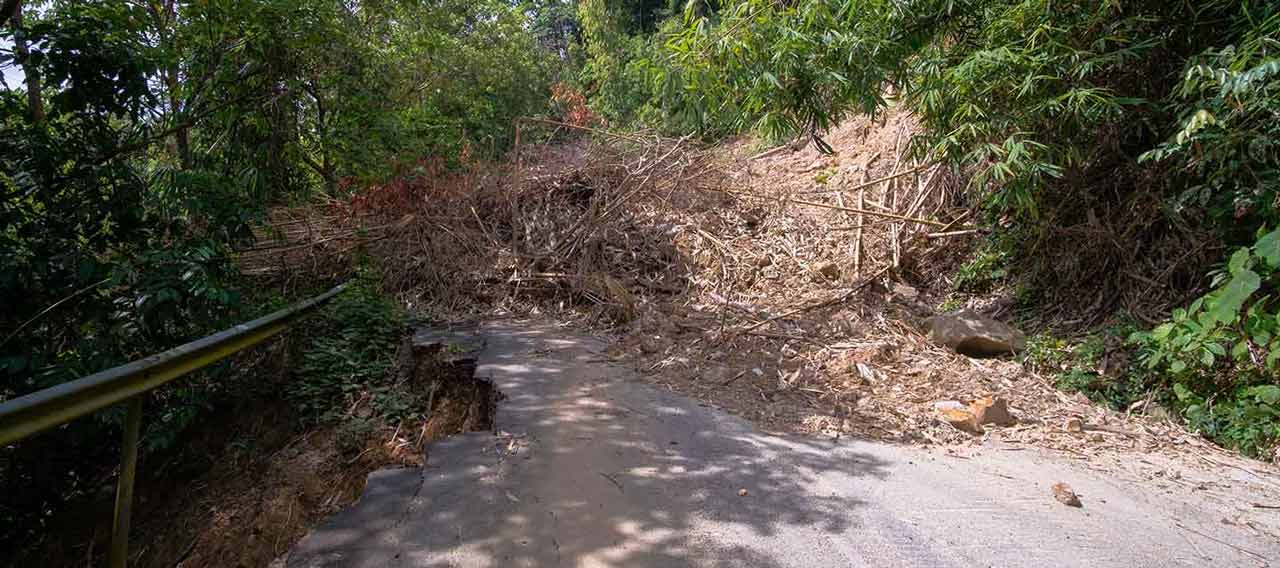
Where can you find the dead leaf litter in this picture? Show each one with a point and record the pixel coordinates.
(789, 287)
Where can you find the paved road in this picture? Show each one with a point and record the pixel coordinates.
(592, 467)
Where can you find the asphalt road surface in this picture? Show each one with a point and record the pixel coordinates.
(592, 467)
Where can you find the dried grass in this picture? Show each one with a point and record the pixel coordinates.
(778, 285)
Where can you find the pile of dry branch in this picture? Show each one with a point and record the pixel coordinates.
(787, 286)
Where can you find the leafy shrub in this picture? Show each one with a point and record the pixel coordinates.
(157, 137)
(1222, 354)
(350, 354)
(1160, 118)
(1077, 366)
(617, 65)
(1228, 131)
(778, 68)
(986, 269)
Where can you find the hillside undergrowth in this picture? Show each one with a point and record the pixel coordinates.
(1117, 152)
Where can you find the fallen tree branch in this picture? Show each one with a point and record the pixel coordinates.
(866, 212)
(946, 234)
(888, 177)
(769, 152)
(837, 300)
(576, 127)
(836, 208)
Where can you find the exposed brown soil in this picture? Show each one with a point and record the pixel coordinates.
(251, 481)
(780, 286)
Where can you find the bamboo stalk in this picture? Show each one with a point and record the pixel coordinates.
(892, 201)
(574, 126)
(857, 242)
(945, 234)
(856, 210)
(893, 175)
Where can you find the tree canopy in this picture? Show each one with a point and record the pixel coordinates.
(148, 136)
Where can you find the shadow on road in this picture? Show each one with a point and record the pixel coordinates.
(591, 468)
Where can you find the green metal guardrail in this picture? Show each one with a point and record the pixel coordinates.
(39, 411)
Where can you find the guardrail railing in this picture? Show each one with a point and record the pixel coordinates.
(41, 410)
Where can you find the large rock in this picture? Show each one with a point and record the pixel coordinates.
(990, 410)
(961, 419)
(975, 335)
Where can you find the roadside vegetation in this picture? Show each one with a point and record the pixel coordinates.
(1120, 160)
(1125, 157)
(141, 144)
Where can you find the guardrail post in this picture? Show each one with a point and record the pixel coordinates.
(44, 409)
(119, 556)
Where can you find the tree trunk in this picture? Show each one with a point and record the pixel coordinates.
(323, 170)
(166, 20)
(321, 131)
(35, 99)
(183, 134)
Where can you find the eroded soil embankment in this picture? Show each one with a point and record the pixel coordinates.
(245, 485)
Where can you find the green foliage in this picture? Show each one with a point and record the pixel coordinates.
(105, 74)
(987, 268)
(779, 68)
(554, 23)
(1023, 97)
(1088, 365)
(1228, 138)
(1247, 419)
(449, 84)
(1222, 353)
(349, 356)
(1232, 318)
(1216, 362)
(171, 128)
(616, 66)
(1045, 352)
(1055, 112)
(1024, 94)
(168, 130)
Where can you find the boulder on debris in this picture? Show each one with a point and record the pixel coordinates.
(988, 410)
(975, 335)
(960, 419)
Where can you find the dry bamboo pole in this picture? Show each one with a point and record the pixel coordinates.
(835, 207)
(861, 220)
